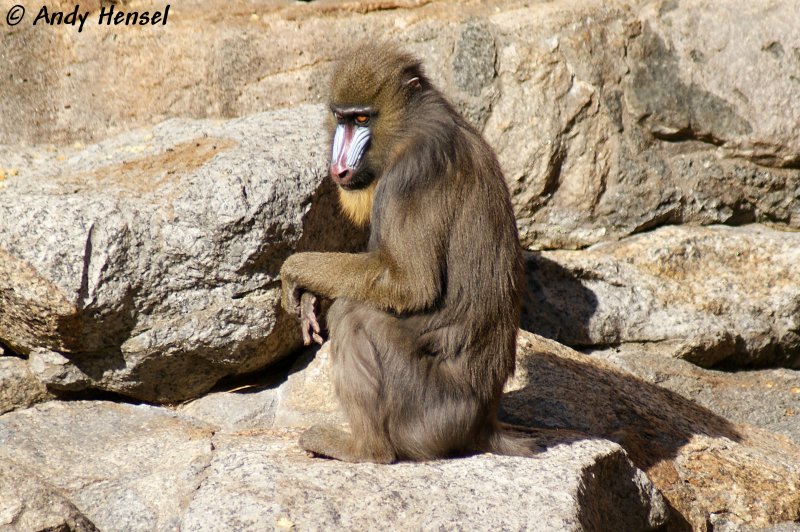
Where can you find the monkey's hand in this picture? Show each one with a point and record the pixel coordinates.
(303, 305)
(309, 324)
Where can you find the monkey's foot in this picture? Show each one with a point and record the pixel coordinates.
(334, 443)
(329, 442)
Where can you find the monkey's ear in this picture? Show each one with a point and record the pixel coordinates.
(413, 83)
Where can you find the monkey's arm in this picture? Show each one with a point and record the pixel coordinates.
(405, 270)
(388, 283)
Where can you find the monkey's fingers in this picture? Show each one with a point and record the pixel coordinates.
(308, 302)
(308, 319)
(309, 335)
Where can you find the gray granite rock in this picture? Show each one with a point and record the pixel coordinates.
(304, 398)
(261, 483)
(28, 502)
(766, 398)
(709, 295)
(19, 388)
(123, 467)
(708, 468)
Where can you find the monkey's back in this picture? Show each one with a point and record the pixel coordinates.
(455, 174)
(484, 269)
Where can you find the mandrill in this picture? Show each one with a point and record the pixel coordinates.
(424, 322)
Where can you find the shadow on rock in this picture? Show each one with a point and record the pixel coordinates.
(555, 304)
(567, 390)
(569, 396)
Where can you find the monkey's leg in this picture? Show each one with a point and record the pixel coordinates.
(357, 377)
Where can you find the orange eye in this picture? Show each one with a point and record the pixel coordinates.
(362, 119)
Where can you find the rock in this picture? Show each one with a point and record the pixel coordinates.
(57, 370)
(28, 503)
(633, 126)
(123, 467)
(471, 74)
(308, 396)
(708, 468)
(18, 387)
(609, 119)
(144, 468)
(304, 398)
(147, 265)
(248, 407)
(260, 483)
(688, 84)
(712, 470)
(473, 63)
(709, 295)
(708, 350)
(766, 398)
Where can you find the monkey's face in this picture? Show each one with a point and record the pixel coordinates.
(352, 138)
(370, 95)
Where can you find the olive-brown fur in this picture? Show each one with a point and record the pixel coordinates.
(424, 323)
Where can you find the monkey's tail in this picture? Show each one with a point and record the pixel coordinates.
(505, 443)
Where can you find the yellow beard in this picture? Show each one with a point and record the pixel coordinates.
(357, 204)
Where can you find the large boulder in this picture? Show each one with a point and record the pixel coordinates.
(710, 295)
(715, 474)
(147, 265)
(257, 483)
(612, 122)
